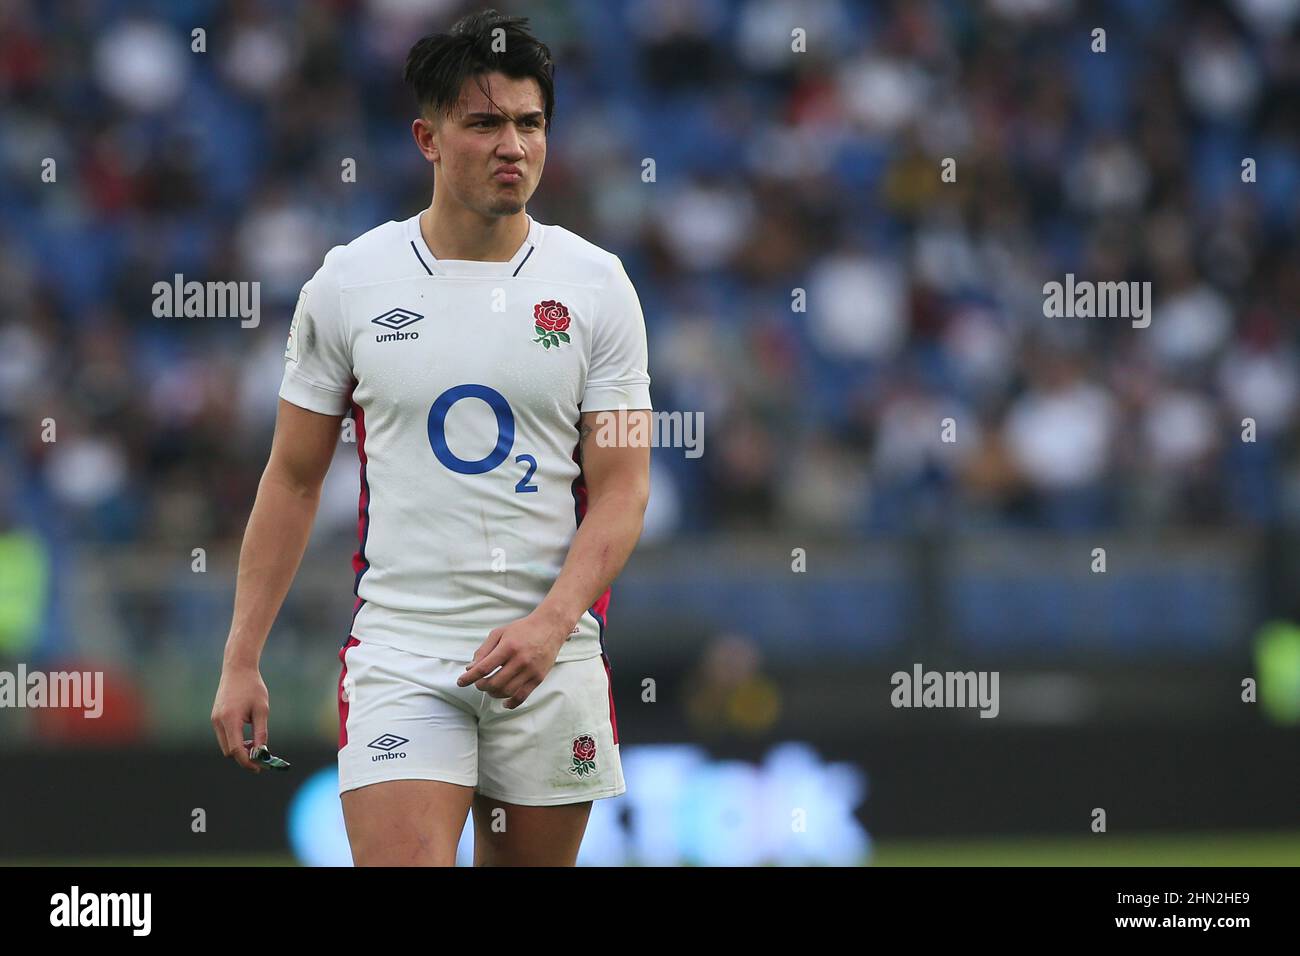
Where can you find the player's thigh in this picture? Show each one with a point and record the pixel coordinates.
(508, 834)
(542, 764)
(408, 755)
(559, 746)
(406, 822)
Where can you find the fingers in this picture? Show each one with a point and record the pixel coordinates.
(489, 645)
(477, 674)
(510, 685)
(261, 715)
(520, 694)
(220, 731)
(487, 658)
(503, 670)
(233, 730)
(495, 686)
(241, 699)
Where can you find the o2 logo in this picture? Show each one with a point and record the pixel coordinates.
(505, 434)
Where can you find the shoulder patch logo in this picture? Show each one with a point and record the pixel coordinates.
(291, 345)
(584, 756)
(551, 323)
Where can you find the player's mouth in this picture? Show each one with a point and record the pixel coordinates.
(508, 174)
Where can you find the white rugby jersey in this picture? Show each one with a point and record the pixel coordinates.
(466, 380)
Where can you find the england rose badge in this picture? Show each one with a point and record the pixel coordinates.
(551, 322)
(584, 756)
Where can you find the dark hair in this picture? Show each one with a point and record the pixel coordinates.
(440, 63)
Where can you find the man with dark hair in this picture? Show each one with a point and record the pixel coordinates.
(487, 360)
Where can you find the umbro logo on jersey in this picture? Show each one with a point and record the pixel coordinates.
(397, 319)
(388, 743)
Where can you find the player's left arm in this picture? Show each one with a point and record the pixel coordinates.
(616, 468)
(615, 453)
(614, 447)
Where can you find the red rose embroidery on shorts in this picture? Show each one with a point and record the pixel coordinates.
(584, 755)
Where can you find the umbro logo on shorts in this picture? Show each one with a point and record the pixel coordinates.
(397, 319)
(388, 743)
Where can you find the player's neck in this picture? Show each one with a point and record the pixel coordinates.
(463, 234)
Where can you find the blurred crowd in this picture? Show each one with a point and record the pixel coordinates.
(810, 281)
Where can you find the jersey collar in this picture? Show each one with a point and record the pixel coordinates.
(431, 265)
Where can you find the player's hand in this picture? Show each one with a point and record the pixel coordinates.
(524, 651)
(242, 699)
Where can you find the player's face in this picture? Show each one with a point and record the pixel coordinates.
(490, 158)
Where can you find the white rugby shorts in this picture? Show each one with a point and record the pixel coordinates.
(402, 717)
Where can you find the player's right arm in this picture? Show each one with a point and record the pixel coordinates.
(274, 541)
(314, 396)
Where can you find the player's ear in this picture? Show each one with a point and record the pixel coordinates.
(426, 139)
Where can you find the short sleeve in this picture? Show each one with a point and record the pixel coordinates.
(317, 359)
(617, 375)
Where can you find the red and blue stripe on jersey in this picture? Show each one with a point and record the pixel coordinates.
(600, 608)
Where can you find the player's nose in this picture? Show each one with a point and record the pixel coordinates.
(511, 146)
